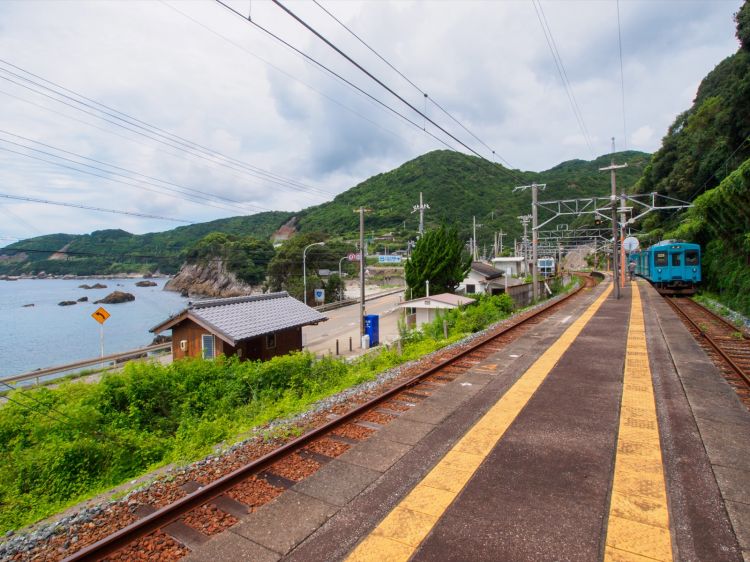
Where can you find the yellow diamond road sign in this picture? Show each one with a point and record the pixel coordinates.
(100, 315)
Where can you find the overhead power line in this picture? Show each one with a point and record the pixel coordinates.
(77, 206)
(557, 58)
(379, 82)
(402, 75)
(113, 116)
(622, 79)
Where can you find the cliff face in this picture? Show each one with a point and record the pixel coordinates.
(207, 280)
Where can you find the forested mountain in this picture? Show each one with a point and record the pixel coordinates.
(707, 154)
(117, 251)
(456, 186)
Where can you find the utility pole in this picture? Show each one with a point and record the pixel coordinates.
(421, 208)
(525, 240)
(613, 199)
(361, 212)
(534, 231)
(474, 247)
(500, 236)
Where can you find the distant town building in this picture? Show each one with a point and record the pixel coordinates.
(512, 266)
(482, 279)
(252, 328)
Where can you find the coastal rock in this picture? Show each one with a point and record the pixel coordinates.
(207, 280)
(115, 298)
(66, 303)
(94, 286)
(83, 299)
(145, 284)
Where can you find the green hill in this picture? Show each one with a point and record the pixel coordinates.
(456, 186)
(117, 251)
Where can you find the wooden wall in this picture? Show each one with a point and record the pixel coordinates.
(256, 348)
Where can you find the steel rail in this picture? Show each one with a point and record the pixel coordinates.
(170, 513)
(710, 340)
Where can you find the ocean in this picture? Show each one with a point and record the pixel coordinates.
(46, 335)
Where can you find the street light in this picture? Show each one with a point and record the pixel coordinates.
(304, 267)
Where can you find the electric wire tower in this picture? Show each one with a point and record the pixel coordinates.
(421, 208)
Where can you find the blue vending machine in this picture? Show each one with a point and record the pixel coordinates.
(372, 328)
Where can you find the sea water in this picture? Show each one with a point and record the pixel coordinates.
(46, 334)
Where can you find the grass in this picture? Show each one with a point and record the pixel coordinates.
(62, 445)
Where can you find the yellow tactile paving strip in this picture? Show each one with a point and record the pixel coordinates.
(401, 531)
(638, 527)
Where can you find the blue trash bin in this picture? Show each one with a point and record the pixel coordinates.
(372, 328)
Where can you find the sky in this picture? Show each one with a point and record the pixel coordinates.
(186, 112)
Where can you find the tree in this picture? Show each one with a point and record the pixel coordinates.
(439, 258)
(742, 17)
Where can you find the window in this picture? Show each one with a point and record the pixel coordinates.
(676, 260)
(470, 289)
(207, 345)
(660, 259)
(691, 257)
(271, 341)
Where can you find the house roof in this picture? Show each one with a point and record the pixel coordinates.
(485, 270)
(241, 318)
(447, 300)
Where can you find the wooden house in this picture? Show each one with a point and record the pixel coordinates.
(254, 327)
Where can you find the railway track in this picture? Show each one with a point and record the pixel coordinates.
(727, 345)
(169, 519)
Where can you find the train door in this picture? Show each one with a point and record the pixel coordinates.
(661, 263)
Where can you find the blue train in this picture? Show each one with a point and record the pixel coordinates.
(673, 267)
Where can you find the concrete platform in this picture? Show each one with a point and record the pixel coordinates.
(517, 458)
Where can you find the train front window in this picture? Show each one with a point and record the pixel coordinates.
(691, 257)
(676, 260)
(660, 259)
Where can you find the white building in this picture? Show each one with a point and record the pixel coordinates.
(512, 266)
(483, 278)
(427, 309)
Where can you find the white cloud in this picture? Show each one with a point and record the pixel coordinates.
(227, 86)
(642, 136)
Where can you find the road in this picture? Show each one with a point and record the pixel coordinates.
(343, 323)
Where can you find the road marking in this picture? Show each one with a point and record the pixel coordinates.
(565, 320)
(401, 532)
(638, 513)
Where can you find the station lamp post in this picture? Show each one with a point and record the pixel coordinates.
(304, 268)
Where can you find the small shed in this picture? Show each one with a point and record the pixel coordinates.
(482, 278)
(512, 266)
(253, 327)
(426, 309)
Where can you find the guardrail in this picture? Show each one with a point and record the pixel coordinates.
(115, 357)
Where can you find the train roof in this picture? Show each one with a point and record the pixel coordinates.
(673, 243)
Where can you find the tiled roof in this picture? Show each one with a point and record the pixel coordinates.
(240, 318)
(485, 270)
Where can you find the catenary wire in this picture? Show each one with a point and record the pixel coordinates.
(160, 138)
(86, 207)
(562, 72)
(107, 110)
(622, 79)
(420, 90)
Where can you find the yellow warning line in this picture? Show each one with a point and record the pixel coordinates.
(401, 531)
(638, 527)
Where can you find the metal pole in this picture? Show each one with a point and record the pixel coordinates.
(101, 339)
(613, 201)
(534, 238)
(304, 268)
(341, 279)
(361, 272)
(622, 238)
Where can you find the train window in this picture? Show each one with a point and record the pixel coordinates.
(660, 258)
(676, 260)
(691, 257)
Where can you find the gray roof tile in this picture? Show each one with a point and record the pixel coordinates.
(241, 318)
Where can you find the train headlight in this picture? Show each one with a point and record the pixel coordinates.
(658, 269)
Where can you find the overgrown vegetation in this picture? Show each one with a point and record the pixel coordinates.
(245, 256)
(59, 446)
